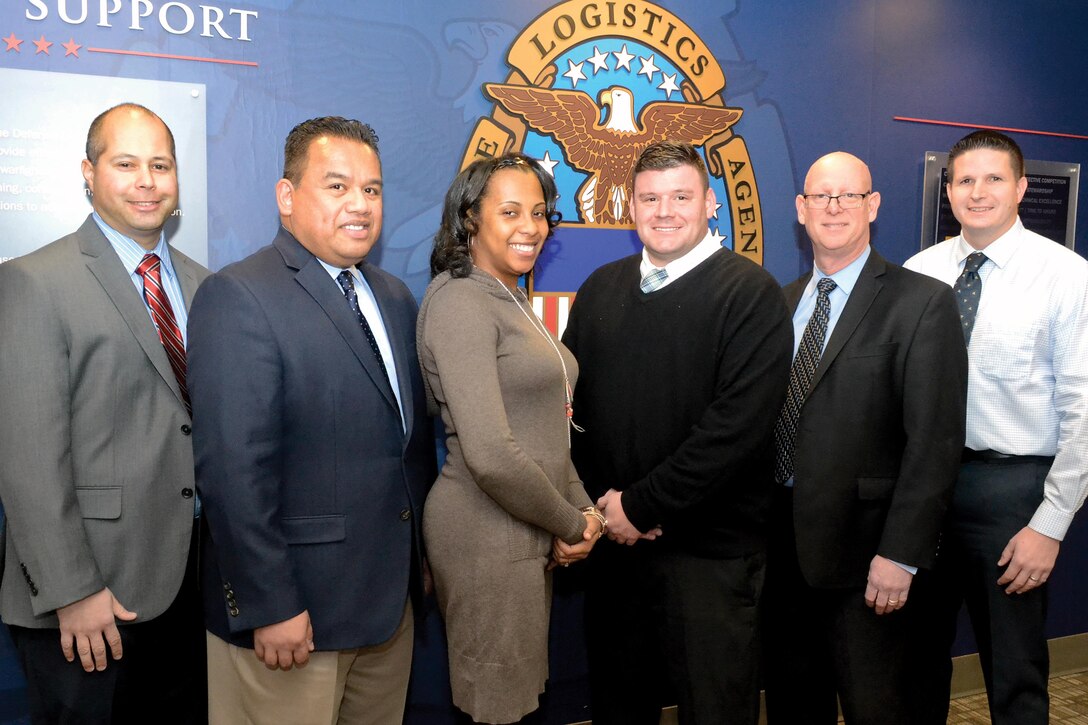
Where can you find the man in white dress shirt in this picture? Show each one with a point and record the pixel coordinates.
(1024, 467)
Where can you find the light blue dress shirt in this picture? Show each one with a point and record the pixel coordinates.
(845, 279)
(132, 254)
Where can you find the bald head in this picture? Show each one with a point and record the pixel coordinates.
(95, 140)
(838, 235)
(842, 163)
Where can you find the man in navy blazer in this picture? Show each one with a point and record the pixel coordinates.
(866, 473)
(313, 452)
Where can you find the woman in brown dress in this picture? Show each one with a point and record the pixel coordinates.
(507, 505)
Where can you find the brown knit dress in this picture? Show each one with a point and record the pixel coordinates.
(507, 487)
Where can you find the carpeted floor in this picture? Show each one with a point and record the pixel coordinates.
(1068, 703)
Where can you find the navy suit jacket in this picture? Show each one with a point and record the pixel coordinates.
(881, 432)
(312, 492)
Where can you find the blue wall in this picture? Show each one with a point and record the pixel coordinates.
(811, 78)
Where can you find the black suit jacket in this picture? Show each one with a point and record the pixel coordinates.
(312, 490)
(881, 433)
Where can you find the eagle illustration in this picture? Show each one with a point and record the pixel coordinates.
(608, 151)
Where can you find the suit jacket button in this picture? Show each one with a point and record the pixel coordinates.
(186, 429)
(186, 493)
(405, 514)
(234, 611)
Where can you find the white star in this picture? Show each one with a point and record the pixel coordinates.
(668, 85)
(648, 68)
(575, 73)
(548, 164)
(717, 206)
(599, 60)
(718, 237)
(623, 58)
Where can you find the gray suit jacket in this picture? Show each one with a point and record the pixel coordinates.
(96, 461)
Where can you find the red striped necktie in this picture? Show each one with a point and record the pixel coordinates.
(163, 315)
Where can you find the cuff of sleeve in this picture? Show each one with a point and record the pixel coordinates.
(574, 524)
(638, 510)
(912, 570)
(1050, 521)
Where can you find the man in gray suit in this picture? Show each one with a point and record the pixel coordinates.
(97, 475)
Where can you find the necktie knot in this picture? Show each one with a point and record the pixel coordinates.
(974, 262)
(653, 280)
(344, 280)
(825, 286)
(149, 265)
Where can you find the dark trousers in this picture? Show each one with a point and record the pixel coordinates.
(992, 501)
(163, 662)
(821, 642)
(667, 627)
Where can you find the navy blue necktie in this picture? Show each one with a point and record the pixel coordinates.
(968, 289)
(346, 284)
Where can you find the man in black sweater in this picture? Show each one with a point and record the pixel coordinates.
(684, 352)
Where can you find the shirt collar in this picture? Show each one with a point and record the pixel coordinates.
(334, 272)
(999, 251)
(692, 259)
(130, 252)
(845, 278)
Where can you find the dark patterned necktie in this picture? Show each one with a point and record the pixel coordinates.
(163, 315)
(346, 284)
(804, 367)
(968, 289)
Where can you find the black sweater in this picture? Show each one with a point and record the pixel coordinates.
(678, 394)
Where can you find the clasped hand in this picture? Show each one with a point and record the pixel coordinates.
(564, 554)
(620, 528)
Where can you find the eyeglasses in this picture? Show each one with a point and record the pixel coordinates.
(846, 201)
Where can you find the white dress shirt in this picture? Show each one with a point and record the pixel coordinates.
(368, 305)
(1027, 391)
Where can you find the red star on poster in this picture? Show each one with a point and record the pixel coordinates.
(71, 48)
(13, 42)
(42, 45)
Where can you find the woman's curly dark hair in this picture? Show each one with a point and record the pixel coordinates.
(462, 208)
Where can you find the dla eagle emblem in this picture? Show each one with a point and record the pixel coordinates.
(591, 85)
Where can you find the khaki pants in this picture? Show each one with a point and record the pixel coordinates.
(363, 686)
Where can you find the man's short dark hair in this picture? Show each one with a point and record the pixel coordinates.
(298, 141)
(669, 155)
(987, 139)
(96, 144)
